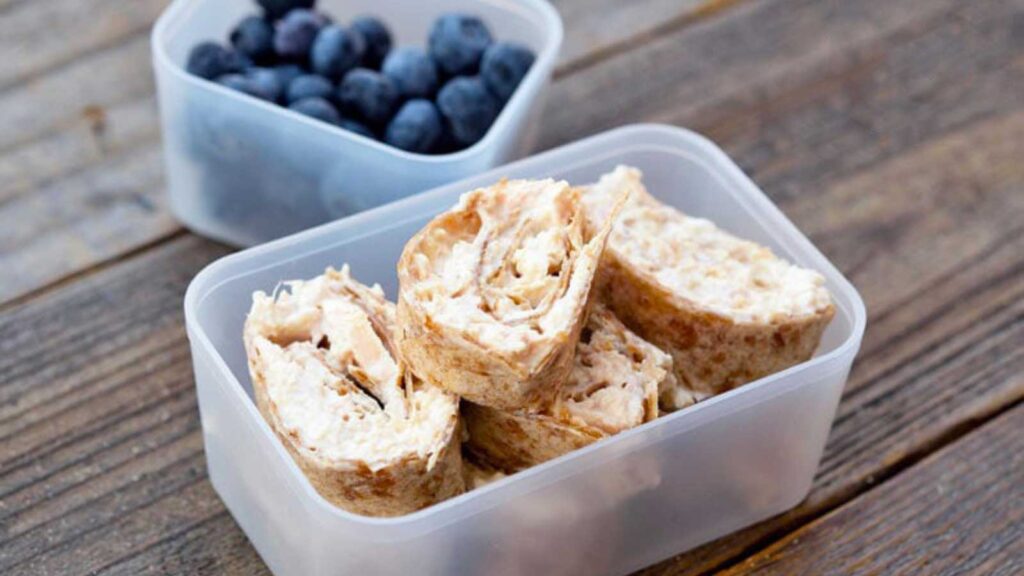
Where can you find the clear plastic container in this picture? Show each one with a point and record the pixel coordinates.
(246, 171)
(614, 506)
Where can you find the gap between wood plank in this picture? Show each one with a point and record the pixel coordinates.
(92, 269)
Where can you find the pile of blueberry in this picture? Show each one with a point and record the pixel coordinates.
(437, 100)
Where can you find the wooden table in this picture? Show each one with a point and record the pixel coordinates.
(891, 132)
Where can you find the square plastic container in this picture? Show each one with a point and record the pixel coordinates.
(612, 507)
(246, 171)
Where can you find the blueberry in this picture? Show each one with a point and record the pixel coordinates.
(412, 71)
(369, 95)
(416, 127)
(457, 42)
(468, 108)
(295, 33)
(336, 50)
(259, 82)
(254, 37)
(235, 82)
(503, 67)
(446, 144)
(210, 60)
(316, 108)
(357, 127)
(288, 72)
(278, 8)
(378, 40)
(265, 84)
(309, 86)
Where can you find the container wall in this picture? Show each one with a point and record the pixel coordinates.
(660, 493)
(246, 171)
(611, 507)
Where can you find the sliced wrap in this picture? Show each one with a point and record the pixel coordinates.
(614, 385)
(371, 437)
(494, 292)
(728, 310)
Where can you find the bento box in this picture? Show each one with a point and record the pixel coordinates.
(614, 506)
(245, 171)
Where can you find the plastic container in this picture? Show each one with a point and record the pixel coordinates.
(246, 171)
(612, 507)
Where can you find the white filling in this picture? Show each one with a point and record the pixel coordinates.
(694, 259)
(510, 272)
(330, 398)
(615, 378)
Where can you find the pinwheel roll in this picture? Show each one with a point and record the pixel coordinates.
(494, 292)
(614, 385)
(728, 310)
(371, 437)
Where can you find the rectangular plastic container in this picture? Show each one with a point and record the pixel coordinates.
(615, 506)
(246, 171)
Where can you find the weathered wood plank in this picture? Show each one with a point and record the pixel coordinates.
(100, 432)
(77, 93)
(109, 208)
(42, 35)
(595, 28)
(188, 552)
(101, 133)
(961, 511)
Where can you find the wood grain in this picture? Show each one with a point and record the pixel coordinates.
(43, 35)
(961, 511)
(596, 29)
(889, 131)
(100, 435)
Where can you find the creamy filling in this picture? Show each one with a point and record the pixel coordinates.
(615, 379)
(507, 267)
(478, 476)
(701, 263)
(333, 379)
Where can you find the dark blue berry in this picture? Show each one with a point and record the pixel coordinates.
(378, 40)
(468, 108)
(235, 82)
(412, 71)
(336, 50)
(357, 127)
(316, 108)
(457, 42)
(368, 95)
(294, 34)
(254, 37)
(265, 84)
(416, 127)
(210, 60)
(278, 8)
(288, 72)
(309, 86)
(503, 67)
(259, 82)
(446, 144)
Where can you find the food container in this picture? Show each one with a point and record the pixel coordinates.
(246, 171)
(617, 505)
